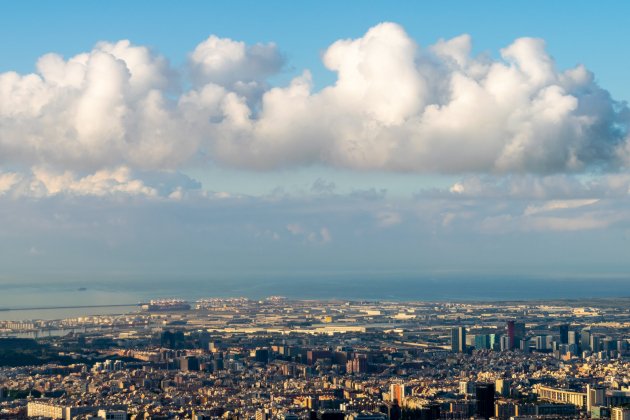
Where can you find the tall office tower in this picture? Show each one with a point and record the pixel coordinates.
(541, 342)
(572, 337)
(454, 340)
(462, 339)
(595, 397)
(261, 355)
(466, 387)
(188, 363)
(495, 341)
(482, 341)
(510, 334)
(503, 387)
(563, 330)
(397, 392)
(458, 339)
(484, 394)
(608, 344)
(595, 343)
(505, 343)
(519, 331)
(526, 344)
(217, 364)
(585, 340)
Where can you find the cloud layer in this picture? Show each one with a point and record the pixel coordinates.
(87, 237)
(394, 106)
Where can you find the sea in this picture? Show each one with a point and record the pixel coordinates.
(42, 300)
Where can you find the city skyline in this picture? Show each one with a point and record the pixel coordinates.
(270, 141)
(285, 359)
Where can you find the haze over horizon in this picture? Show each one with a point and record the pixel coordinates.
(242, 142)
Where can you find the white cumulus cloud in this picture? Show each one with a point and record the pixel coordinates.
(398, 107)
(104, 108)
(230, 63)
(395, 106)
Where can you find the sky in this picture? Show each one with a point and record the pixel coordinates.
(244, 140)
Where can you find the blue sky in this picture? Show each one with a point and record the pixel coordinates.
(580, 32)
(290, 137)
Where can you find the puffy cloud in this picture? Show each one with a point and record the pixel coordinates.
(104, 108)
(230, 63)
(394, 106)
(397, 107)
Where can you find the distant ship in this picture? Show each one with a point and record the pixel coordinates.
(164, 305)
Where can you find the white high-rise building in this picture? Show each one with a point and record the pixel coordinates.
(595, 397)
(620, 413)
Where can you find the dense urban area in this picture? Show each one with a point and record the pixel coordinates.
(323, 360)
